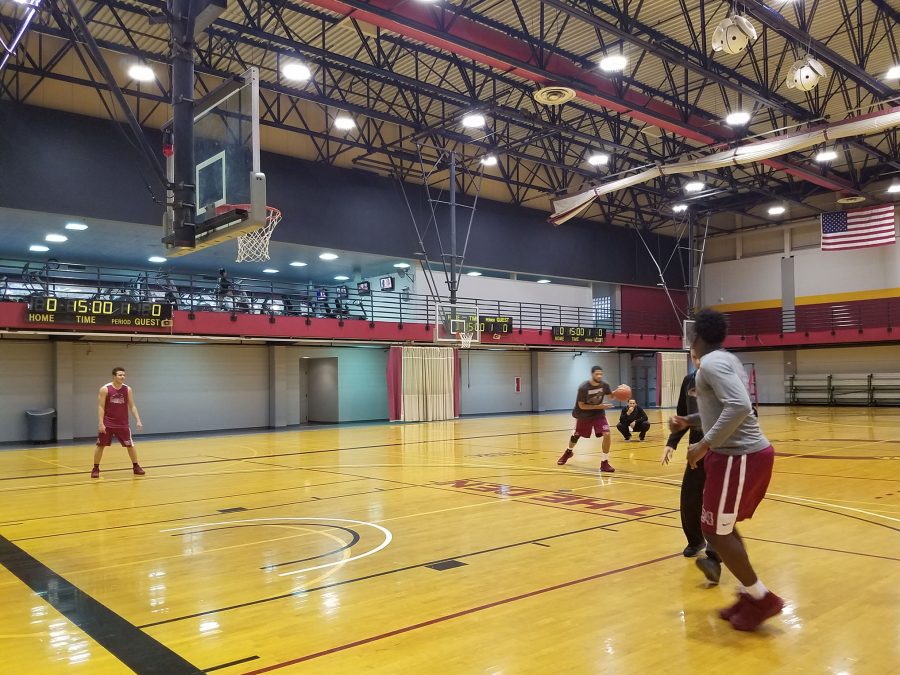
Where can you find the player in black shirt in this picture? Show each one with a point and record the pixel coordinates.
(633, 416)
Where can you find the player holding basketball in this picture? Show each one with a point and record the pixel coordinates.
(738, 461)
(590, 413)
(115, 400)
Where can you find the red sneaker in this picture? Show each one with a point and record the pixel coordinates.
(754, 612)
(138, 471)
(729, 612)
(606, 467)
(95, 472)
(566, 456)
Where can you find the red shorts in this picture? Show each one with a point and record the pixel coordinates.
(122, 433)
(734, 487)
(584, 426)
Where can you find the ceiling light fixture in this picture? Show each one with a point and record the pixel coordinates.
(141, 73)
(344, 123)
(297, 263)
(56, 238)
(270, 270)
(732, 35)
(473, 273)
(613, 63)
(737, 119)
(543, 281)
(776, 210)
(341, 277)
(826, 156)
(76, 226)
(156, 259)
(473, 121)
(679, 208)
(598, 159)
(38, 248)
(694, 186)
(490, 160)
(893, 188)
(296, 72)
(328, 256)
(401, 266)
(893, 73)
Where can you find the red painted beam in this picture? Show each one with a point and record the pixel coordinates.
(507, 54)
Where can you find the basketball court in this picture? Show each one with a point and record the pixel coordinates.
(441, 547)
(387, 243)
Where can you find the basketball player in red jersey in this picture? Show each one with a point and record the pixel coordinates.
(590, 415)
(115, 400)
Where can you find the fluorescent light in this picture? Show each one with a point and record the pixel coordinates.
(141, 73)
(598, 158)
(76, 226)
(344, 123)
(738, 118)
(296, 72)
(38, 248)
(894, 188)
(613, 63)
(156, 259)
(56, 238)
(679, 208)
(473, 273)
(297, 263)
(543, 281)
(341, 277)
(694, 186)
(776, 210)
(473, 120)
(270, 270)
(826, 156)
(490, 160)
(401, 266)
(328, 256)
(893, 73)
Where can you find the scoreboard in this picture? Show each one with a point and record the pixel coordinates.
(47, 309)
(577, 334)
(496, 325)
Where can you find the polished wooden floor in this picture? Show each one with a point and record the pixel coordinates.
(452, 547)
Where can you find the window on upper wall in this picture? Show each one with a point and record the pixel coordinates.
(603, 312)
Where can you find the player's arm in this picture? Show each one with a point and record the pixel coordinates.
(133, 407)
(642, 416)
(101, 410)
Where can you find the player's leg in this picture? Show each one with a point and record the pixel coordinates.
(601, 428)
(124, 436)
(691, 503)
(710, 564)
(582, 428)
(98, 455)
(624, 430)
(746, 477)
(643, 428)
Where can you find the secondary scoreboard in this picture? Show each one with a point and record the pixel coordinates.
(578, 334)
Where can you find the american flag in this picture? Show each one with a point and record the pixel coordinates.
(872, 226)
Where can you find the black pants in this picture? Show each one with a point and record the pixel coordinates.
(639, 427)
(692, 505)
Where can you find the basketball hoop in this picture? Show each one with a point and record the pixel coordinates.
(465, 340)
(254, 246)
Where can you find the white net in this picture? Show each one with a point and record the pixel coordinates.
(466, 339)
(254, 246)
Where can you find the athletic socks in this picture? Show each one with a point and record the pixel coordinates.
(604, 457)
(757, 591)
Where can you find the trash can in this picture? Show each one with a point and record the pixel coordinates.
(40, 424)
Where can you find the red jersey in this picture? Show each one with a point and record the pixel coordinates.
(115, 412)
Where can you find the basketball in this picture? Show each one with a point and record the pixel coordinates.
(622, 392)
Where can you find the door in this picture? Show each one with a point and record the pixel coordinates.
(322, 385)
(303, 393)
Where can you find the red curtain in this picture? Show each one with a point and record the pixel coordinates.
(395, 383)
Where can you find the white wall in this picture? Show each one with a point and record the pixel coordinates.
(769, 374)
(197, 387)
(362, 381)
(560, 374)
(487, 381)
(26, 382)
(510, 290)
(849, 360)
(756, 276)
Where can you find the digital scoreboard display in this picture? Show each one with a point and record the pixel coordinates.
(498, 325)
(577, 334)
(43, 309)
